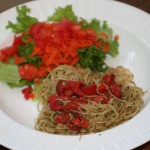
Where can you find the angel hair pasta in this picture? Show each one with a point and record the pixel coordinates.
(79, 101)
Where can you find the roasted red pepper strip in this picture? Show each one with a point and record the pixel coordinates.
(89, 90)
(108, 79)
(72, 106)
(101, 98)
(103, 88)
(77, 123)
(75, 86)
(115, 89)
(80, 100)
(83, 122)
(72, 125)
(55, 104)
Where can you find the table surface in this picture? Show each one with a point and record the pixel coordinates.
(141, 4)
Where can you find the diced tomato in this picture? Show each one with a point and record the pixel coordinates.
(17, 40)
(27, 92)
(28, 72)
(9, 51)
(5, 53)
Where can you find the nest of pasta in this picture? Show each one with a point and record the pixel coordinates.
(78, 101)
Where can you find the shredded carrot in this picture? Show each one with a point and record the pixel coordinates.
(105, 47)
(18, 59)
(102, 34)
(56, 48)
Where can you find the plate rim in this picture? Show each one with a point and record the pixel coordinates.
(28, 3)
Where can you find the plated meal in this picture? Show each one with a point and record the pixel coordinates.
(61, 63)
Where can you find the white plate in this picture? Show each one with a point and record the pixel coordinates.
(17, 115)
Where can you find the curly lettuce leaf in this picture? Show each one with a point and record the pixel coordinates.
(93, 58)
(9, 73)
(26, 51)
(114, 45)
(106, 29)
(21, 83)
(94, 24)
(24, 21)
(61, 13)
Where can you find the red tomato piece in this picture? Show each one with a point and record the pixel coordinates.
(17, 40)
(5, 53)
(9, 51)
(28, 72)
(27, 92)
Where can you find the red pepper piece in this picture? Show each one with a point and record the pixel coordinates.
(115, 89)
(89, 90)
(62, 118)
(78, 92)
(27, 92)
(103, 88)
(108, 79)
(101, 98)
